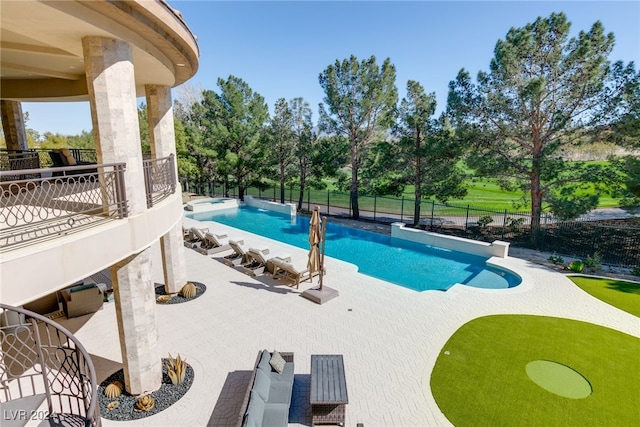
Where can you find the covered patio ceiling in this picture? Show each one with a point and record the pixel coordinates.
(41, 45)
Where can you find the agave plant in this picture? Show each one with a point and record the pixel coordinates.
(113, 405)
(163, 298)
(189, 290)
(145, 403)
(176, 368)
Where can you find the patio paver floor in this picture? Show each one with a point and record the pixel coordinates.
(390, 336)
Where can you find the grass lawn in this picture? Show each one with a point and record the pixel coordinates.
(482, 193)
(482, 381)
(619, 293)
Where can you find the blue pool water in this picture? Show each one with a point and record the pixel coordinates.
(412, 265)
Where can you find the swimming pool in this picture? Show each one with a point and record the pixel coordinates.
(411, 265)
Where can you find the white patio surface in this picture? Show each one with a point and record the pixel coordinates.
(390, 336)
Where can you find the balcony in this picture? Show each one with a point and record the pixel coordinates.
(44, 203)
(46, 375)
(74, 221)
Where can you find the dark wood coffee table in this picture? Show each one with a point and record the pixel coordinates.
(328, 389)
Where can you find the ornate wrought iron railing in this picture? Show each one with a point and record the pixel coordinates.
(60, 201)
(45, 373)
(40, 158)
(159, 179)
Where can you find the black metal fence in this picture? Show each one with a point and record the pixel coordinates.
(616, 242)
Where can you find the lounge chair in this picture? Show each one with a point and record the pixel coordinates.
(196, 236)
(213, 243)
(284, 270)
(239, 255)
(257, 262)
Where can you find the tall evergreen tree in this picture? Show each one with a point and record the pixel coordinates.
(305, 141)
(280, 139)
(429, 154)
(541, 88)
(234, 119)
(360, 99)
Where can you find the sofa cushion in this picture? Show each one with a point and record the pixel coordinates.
(256, 408)
(276, 414)
(286, 376)
(249, 420)
(264, 361)
(280, 392)
(277, 362)
(82, 287)
(261, 384)
(68, 157)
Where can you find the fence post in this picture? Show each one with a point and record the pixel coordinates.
(328, 200)
(375, 200)
(402, 209)
(593, 239)
(504, 224)
(433, 206)
(308, 200)
(466, 220)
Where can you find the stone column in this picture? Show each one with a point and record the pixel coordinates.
(163, 144)
(114, 113)
(13, 125)
(137, 325)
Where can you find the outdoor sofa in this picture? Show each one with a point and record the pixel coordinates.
(268, 396)
(82, 299)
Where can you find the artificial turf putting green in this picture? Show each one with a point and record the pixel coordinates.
(480, 376)
(619, 293)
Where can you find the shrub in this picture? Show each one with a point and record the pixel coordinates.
(483, 221)
(514, 224)
(593, 262)
(556, 259)
(576, 266)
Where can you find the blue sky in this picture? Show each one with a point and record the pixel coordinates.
(280, 48)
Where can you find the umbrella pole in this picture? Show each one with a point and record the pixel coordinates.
(322, 246)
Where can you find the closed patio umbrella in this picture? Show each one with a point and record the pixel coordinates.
(315, 237)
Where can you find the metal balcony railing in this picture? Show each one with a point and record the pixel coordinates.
(40, 158)
(46, 375)
(58, 201)
(159, 179)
